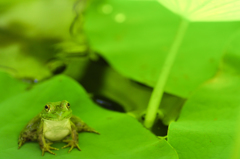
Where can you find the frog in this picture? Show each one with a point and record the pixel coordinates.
(54, 123)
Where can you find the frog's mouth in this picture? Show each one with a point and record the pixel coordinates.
(57, 117)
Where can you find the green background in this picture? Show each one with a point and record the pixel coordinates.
(52, 52)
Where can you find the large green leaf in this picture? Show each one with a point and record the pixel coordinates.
(209, 122)
(121, 135)
(135, 37)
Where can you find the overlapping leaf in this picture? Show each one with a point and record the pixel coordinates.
(207, 126)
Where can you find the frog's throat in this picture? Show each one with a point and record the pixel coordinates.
(56, 130)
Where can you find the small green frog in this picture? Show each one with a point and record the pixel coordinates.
(54, 123)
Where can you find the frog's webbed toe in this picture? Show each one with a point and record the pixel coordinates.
(93, 131)
(47, 148)
(24, 137)
(20, 142)
(71, 144)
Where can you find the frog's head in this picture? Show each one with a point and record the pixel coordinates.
(56, 111)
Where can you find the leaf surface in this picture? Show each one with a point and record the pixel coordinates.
(121, 135)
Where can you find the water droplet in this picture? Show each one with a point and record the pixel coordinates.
(120, 17)
(107, 9)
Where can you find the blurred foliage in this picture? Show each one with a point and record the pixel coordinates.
(34, 32)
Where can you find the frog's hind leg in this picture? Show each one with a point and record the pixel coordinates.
(81, 126)
(29, 132)
(26, 136)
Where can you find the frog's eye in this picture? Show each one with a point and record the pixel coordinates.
(47, 107)
(68, 105)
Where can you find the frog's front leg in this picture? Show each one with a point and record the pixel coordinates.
(73, 142)
(44, 145)
(82, 126)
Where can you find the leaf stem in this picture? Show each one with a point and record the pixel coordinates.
(158, 90)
